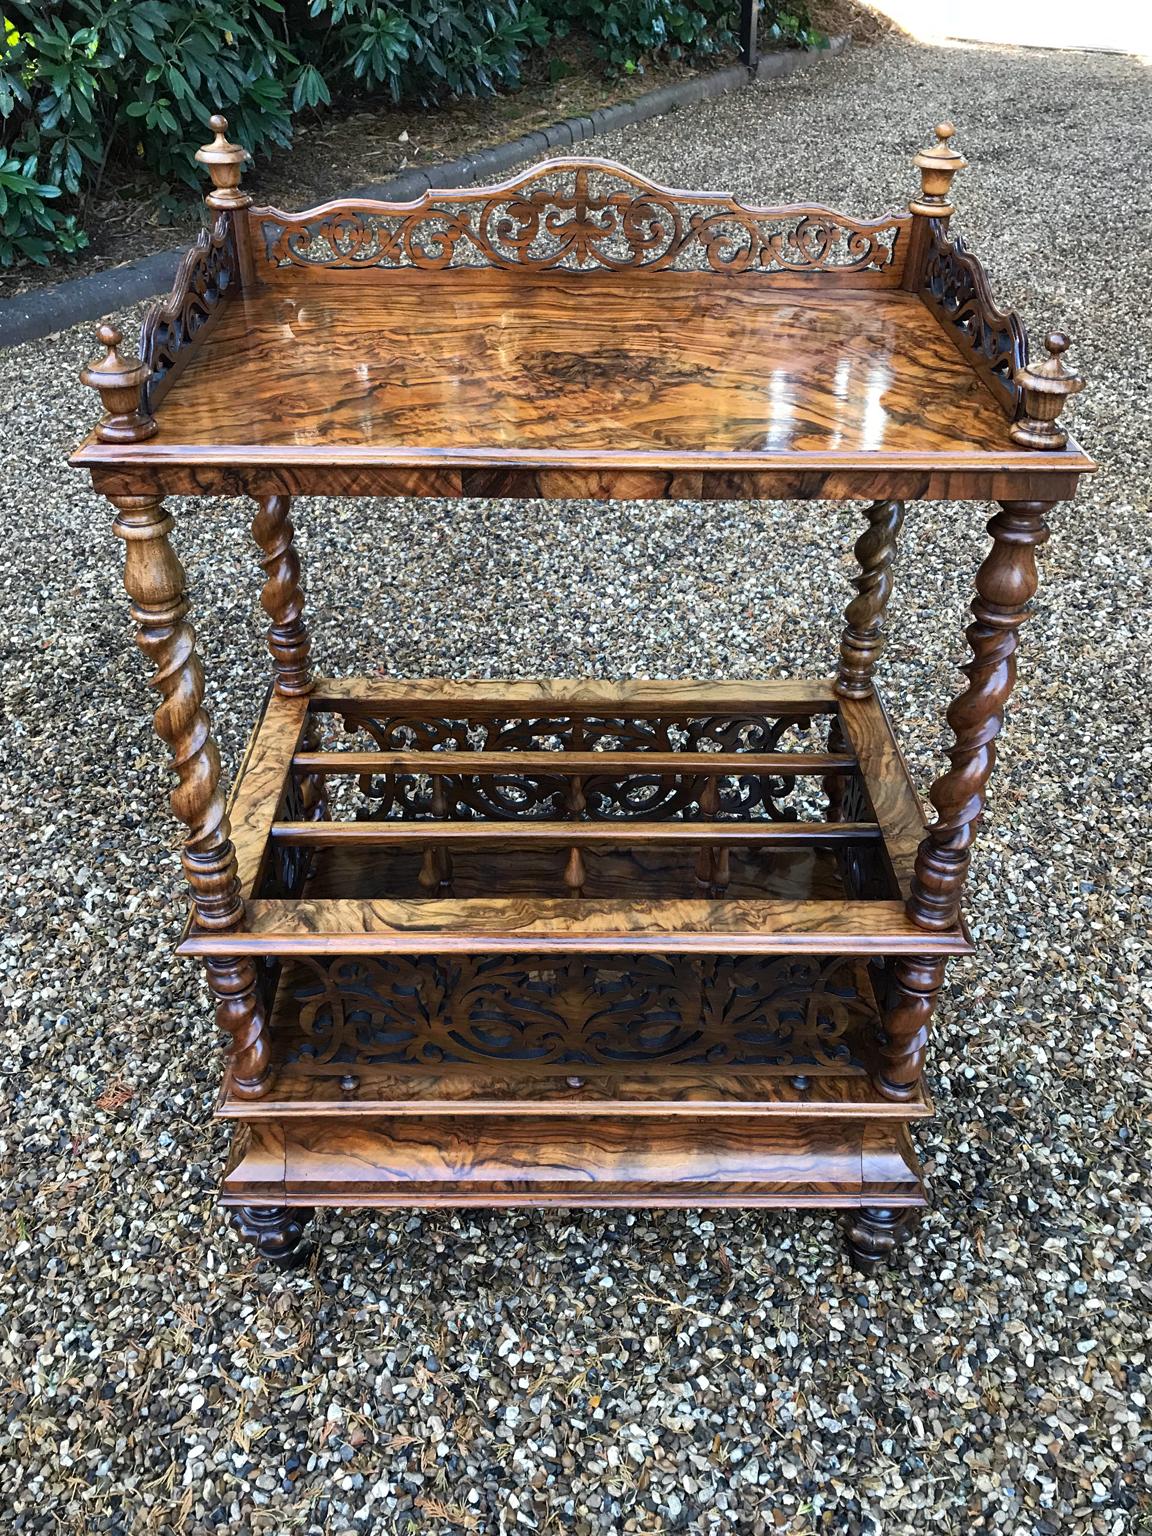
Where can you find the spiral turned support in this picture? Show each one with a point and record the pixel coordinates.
(863, 636)
(155, 582)
(1005, 585)
(283, 597)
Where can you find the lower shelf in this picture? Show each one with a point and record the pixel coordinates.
(572, 1161)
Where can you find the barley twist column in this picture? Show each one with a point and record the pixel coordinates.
(155, 582)
(1005, 585)
(863, 636)
(283, 597)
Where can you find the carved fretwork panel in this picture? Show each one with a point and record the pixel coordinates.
(956, 287)
(514, 796)
(206, 273)
(787, 1014)
(579, 216)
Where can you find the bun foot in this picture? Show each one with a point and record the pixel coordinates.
(275, 1231)
(874, 1233)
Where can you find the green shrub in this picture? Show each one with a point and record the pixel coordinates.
(85, 84)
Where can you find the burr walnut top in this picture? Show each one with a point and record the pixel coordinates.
(580, 316)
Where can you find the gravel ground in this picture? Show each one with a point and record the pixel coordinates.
(613, 1372)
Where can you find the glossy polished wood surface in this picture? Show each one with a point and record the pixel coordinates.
(585, 1161)
(489, 367)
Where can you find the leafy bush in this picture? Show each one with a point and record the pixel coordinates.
(88, 83)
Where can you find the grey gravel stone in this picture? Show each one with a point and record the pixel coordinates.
(613, 1372)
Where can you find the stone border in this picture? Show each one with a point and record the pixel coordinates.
(41, 311)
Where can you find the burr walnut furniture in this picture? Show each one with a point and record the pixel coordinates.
(572, 942)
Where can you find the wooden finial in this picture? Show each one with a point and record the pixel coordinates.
(937, 165)
(1045, 386)
(225, 163)
(119, 380)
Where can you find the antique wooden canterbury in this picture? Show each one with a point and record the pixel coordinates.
(569, 942)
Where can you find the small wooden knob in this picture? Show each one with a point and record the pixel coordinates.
(225, 162)
(120, 382)
(937, 165)
(1044, 387)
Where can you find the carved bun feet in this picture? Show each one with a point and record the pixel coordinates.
(874, 1233)
(276, 1232)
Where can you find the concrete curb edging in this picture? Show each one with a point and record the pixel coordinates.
(41, 311)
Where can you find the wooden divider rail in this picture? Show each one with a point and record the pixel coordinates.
(569, 942)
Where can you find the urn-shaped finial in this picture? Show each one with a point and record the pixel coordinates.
(1044, 388)
(119, 380)
(225, 164)
(937, 165)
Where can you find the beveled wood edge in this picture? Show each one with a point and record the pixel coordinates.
(1033, 477)
(490, 926)
(610, 831)
(567, 763)
(157, 452)
(667, 695)
(887, 782)
(558, 164)
(594, 1098)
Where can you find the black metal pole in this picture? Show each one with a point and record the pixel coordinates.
(749, 28)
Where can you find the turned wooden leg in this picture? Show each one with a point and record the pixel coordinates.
(275, 1231)
(156, 583)
(283, 597)
(863, 635)
(913, 988)
(1005, 585)
(874, 1233)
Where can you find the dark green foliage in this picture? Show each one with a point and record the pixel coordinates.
(86, 82)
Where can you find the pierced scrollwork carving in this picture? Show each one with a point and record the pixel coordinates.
(207, 271)
(496, 1011)
(956, 286)
(638, 796)
(579, 215)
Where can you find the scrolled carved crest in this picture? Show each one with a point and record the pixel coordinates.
(207, 271)
(579, 215)
(956, 286)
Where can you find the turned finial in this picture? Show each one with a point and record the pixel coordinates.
(119, 380)
(937, 165)
(225, 164)
(1044, 387)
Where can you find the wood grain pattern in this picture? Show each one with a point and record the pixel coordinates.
(576, 696)
(430, 368)
(891, 792)
(503, 926)
(1053, 477)
(753, 1161)
(691, 764)
(262, 782)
